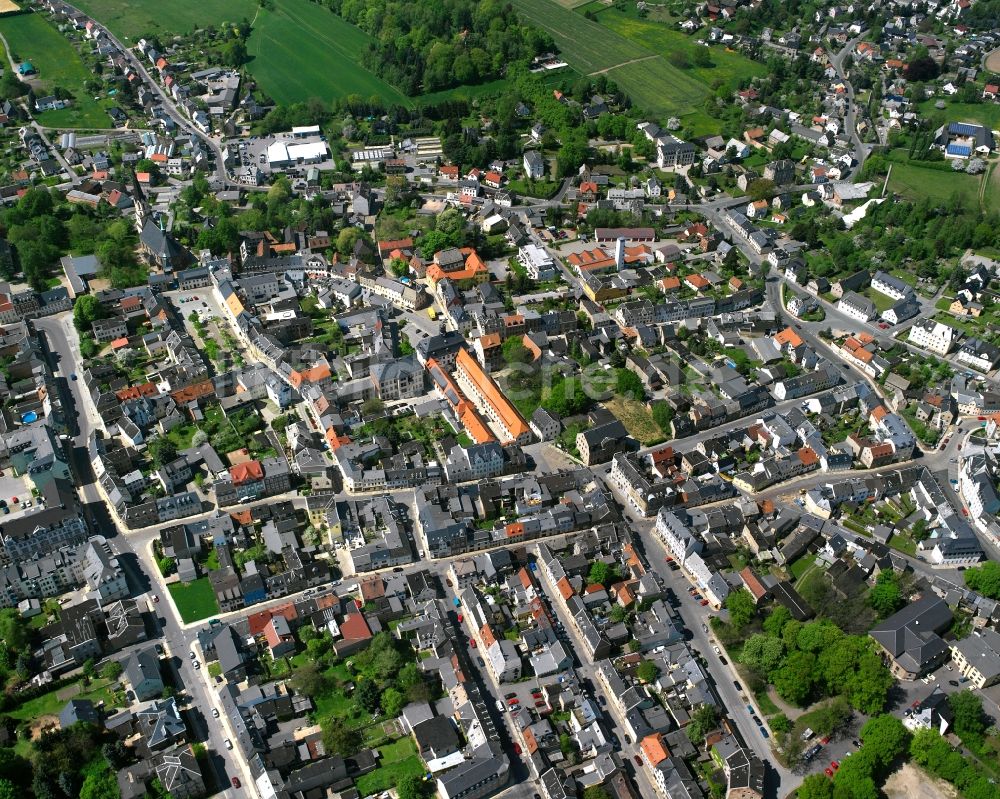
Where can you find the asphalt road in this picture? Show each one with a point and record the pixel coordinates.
(193, 691)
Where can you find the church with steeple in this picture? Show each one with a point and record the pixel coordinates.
(157, 247)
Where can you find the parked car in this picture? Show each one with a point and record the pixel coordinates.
(499, 706)
(229, 744)
(236, 782)
(215, 712)
(511, 695)
(764, 732)
(517, 748)
(638, 760)
(737, 686)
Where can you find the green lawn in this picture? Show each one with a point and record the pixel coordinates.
(632, 52)
(194, 601)
(132, 19)
(987, 114)
(32, 38)
(50, 704)
(882, 302)
(301, 50)
(916, 182)
(801, 566)
(396, 760)
(904, 544)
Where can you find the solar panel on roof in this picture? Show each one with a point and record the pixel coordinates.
(962, 129)
(959, 149)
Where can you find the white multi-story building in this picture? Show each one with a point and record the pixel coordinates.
(536, 262)
(857, 307)
(890, 286)
(934, 336)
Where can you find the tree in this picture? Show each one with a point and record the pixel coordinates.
(100, 783)
(372, 407)
(762, 653)
(647, 671)
(392, 702)
(112, 670)
(339, 739)
(596, 792)
(967, 709)
(760, 189)
(985, 579)
(8, 790)
(741, 607)
(618, 614)
(12, 630)
(663, 415)
(886, 597)
(368, 695)
(309, 679)
(701, 57)
(886, 737)
(434, 241)
(854, 778)
(601, 573)
(514, 351)
(703, 721)
(162, 451)
(346, 240)
(411, 786)
(816, 786)
(88, 669)
(794, 680)
(628, 384)
(86, 310)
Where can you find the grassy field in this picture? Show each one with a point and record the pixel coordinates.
(983, 113)
(637, 420)
(132, 19)
(302, 50)
(631, 52)
(398, 759)
(195, 601)
(51, 704)
(916, 182)
(31, 38)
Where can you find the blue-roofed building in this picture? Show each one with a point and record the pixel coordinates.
(964, 139)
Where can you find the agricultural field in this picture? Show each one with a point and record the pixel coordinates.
(633, 53)
(301, 50)
(31, 37)
(129, 20)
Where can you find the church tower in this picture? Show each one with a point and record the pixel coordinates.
(141, 204)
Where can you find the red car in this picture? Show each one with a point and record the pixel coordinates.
(638, 760)
(540, 703)
(703, 602)
(828, 771)
(825, 741)
(236, 782)
(460, 618)
(669, 559)
(472, 643)
(517, 748)
(513, 701)
(834, 765)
